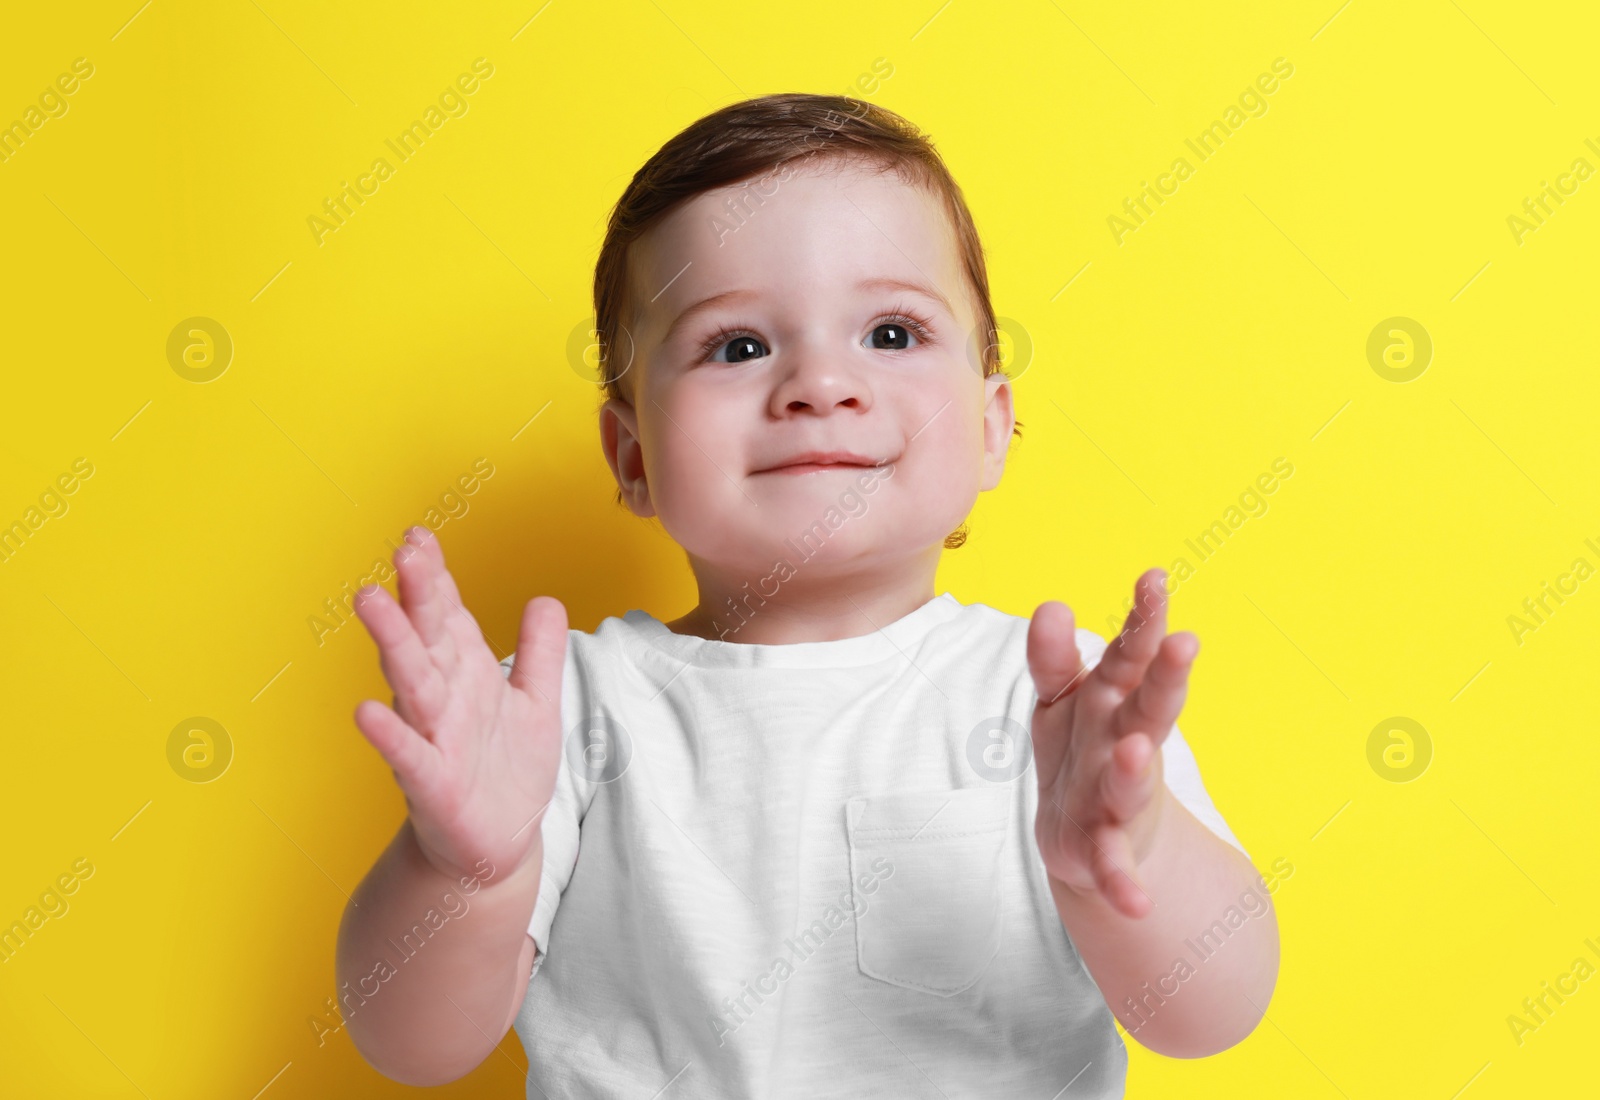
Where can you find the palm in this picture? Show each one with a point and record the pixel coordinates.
(1097, 738)
(496, 754)
(475, 753)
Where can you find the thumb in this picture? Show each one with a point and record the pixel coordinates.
(541, 649)
(1053, 657)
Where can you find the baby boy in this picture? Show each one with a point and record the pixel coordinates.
(830, 832)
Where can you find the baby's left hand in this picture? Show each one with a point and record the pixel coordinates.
(1097, 743)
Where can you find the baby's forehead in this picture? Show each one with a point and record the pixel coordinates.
(797, 234)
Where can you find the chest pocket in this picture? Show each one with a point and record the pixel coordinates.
(925, 878)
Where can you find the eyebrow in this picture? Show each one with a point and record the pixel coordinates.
(702, 306)
(931, 293)
(739, 294)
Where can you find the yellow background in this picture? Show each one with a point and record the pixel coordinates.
(373, 370)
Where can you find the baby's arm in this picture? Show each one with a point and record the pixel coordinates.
(1170, 999)
(1133, 873)
(433, 951)
(433, 1017)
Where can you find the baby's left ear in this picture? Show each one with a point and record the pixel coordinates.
(999, 422)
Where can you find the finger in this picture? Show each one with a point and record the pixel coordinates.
(1154, 705)
(412, 545)
(540, 659)
(405, 750)
(1115, 873)
(1130, 777)
(458, 620)
(420, 592)
(1123, 663)
(433, 549)
(1053, 656)
(418, 684)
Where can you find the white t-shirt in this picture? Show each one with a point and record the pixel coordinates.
(809, 870)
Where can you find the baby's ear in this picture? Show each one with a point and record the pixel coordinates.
(619, 439)
(999, 421)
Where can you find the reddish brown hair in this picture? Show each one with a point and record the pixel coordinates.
(752, 139)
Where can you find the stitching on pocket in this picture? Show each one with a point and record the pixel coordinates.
(915, 834)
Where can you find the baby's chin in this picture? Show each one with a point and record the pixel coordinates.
(795, 554)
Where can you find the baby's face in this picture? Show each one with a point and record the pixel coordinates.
(835, 319)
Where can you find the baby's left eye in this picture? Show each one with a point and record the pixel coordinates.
(892, 336)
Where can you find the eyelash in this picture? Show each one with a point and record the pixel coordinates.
(920, 326)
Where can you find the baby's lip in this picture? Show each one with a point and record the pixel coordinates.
(823, 458)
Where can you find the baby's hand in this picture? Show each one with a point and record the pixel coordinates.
(476, 753)
(1097, 743)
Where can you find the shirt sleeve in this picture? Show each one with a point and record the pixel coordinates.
(559, 827)
(1181, 770)
(1183, 779)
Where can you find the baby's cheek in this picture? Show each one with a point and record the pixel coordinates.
(701, 509)
(912, 505)
(676, 468)
(679, 495)
(952, 481)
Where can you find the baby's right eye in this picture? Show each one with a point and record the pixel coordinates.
(740, 348)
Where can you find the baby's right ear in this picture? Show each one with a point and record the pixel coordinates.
(619, 439)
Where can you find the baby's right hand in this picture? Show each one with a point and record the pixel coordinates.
(475, 752)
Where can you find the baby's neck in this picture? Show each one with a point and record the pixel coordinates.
(774, 612)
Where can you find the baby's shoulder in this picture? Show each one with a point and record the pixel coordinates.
(980, 623)
(585, 647)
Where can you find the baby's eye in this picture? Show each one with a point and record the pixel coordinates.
(891, 336)
(739, 349)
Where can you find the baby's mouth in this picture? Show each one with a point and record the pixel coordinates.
(814, 467)
(812, 462)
